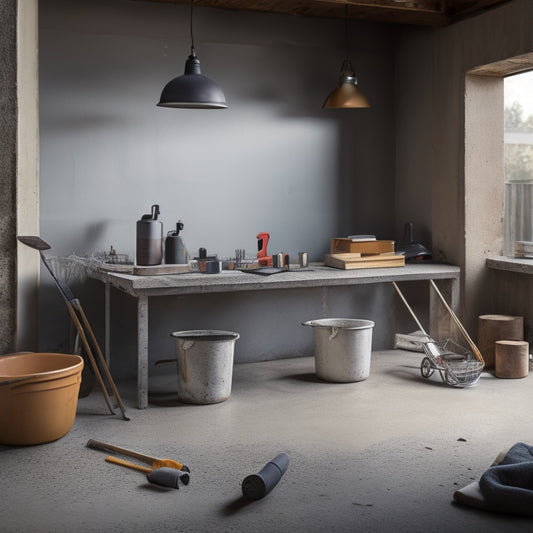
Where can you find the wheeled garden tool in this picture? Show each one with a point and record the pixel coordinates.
(453, 362)
(82, 325)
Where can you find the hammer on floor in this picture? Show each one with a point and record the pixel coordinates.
(158, 475)
(154, 462)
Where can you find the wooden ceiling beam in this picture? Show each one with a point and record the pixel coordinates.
(432, 13)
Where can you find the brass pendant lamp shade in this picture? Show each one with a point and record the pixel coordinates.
(347, 95)
(192, 90)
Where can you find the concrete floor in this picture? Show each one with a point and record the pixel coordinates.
(385, 454)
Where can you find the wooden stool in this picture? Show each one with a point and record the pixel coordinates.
(512, 359)
(492, 328)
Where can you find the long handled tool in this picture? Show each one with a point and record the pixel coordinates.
(82, 325)
(420, 327)
(449, 359)
(474, 348)
(413, 341)
(148, 459)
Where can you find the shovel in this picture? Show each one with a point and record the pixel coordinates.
(159, 474)
(155, 462)
(83, 327)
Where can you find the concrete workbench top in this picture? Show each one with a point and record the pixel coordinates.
(317, 275)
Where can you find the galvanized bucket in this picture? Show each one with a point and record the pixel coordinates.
(343, 348)
(205, 365)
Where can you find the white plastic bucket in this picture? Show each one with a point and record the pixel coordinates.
(343, 348)
(205, 365)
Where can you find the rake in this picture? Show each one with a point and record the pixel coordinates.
(82, 325)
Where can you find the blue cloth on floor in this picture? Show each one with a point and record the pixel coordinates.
(508, 486)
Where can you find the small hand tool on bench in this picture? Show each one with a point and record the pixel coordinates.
(155, 462)
(262, 255)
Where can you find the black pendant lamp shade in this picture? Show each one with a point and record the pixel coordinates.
(192, 90)
(347, 94)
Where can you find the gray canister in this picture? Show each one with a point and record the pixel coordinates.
(175, 251)
(150, 239)
(205, 365)
(343, 348)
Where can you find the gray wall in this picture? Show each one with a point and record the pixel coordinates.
(274, 161)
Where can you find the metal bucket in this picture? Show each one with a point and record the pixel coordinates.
(205, 365)
(343, 348)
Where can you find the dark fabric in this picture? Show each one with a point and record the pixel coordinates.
(508, 486)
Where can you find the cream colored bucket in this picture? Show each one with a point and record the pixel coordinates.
(205, 365)
(343, 348)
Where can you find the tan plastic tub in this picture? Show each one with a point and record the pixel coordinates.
(38, 396)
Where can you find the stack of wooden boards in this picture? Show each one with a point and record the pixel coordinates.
(523, 249)
(348, 254)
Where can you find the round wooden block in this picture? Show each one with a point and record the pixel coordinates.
(492, 328)
(511, 359)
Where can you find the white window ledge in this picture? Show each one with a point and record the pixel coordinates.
(510, 264)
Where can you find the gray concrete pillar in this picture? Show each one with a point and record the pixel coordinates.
(19, 182)
(8, 175)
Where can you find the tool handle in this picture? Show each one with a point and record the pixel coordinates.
(257, 486)
(409, 308)
(475, 349)
(97, 445)
(262, 243)
(117, 461)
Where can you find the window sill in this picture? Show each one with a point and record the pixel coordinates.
(520, 265)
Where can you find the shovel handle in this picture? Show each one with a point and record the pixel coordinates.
(474, 348)
(97, 445)
(117, 461)
(409, 308)
(152, 461)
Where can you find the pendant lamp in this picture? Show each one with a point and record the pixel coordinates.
(347, 95)
(192, 89)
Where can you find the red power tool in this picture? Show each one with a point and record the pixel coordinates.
(262, 242)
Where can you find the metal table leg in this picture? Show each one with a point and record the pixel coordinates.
(107, 340)
(142, 352)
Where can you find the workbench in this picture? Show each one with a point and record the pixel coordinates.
(316, 276)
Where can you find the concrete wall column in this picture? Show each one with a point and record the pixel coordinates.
(484, 187)
(18, 174)
(8, 159)
(27, 207)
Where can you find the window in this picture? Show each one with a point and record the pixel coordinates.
(518, 164)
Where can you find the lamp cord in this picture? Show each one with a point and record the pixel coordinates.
(192, 36)
(346, 30)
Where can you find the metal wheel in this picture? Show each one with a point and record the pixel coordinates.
(426, 369)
